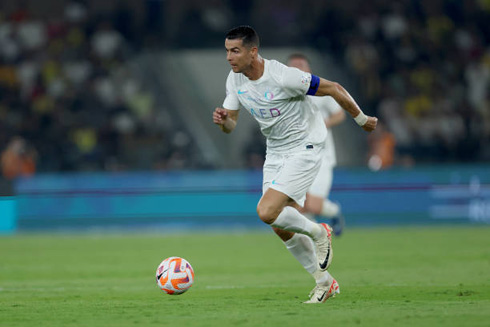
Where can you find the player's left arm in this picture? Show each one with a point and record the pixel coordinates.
(344, 99)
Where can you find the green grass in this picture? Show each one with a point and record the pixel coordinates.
(388, 277)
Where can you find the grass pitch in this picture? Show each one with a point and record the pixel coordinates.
(388, 277)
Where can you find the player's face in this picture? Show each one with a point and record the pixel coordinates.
(239, 57)
(300, 63)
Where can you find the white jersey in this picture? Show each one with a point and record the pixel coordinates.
(277, 100)
(328, 106)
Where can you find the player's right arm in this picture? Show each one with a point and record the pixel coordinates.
(225, 119)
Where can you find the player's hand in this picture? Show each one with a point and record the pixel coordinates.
(370, 125)
(219, 116)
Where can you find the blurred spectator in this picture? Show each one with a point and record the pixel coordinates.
(106, 41)
(18, 159)
(477, 74)
(75, 11)
(381, 148)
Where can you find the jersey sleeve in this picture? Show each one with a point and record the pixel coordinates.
(295, 82)
(231, 101)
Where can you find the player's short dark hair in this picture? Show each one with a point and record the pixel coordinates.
(298, 55)
(246, 33)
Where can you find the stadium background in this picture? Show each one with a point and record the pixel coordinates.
(105, 110)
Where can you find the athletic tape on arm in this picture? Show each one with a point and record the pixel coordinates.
(361, 119)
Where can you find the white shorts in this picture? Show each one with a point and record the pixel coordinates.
(323, 182)
(292, 173)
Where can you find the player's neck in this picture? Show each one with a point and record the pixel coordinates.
(256, 69)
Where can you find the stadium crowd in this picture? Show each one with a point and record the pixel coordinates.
(67, 89)
(424, 68)
(68, 92)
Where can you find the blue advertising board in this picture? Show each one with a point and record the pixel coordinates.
(208, 199)
(8, 216)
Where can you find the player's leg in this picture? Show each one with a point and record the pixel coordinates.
(332, 209)
(320, 206)
(275, 209)
(317, 201)
(291, 220)
(303, 249)
(324, 208)
(317, 197)
(307, 213)
(285, 185)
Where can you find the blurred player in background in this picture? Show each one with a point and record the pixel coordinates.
(317, 202)
(18, 159)
(275, 95)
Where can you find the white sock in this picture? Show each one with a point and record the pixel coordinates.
(330, 209)
(291, 220)
(303, 249)
(310, 216)
(322, 277)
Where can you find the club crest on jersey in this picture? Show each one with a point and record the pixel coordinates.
(306, 79)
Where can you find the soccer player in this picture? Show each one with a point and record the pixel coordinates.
(317, 202)
(275, 95)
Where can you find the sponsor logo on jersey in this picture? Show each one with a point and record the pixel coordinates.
(265, 113)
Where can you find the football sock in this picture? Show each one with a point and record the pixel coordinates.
(303, 249)
(291, 220)
(322, 277)
(310, 216)
(330, 209)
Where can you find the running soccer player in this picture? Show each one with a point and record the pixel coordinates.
(275, 95)
(317, 202)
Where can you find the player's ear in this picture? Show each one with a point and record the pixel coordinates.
(254, 51)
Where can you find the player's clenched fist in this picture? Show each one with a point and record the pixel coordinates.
(225, 119)
(219, 116)
(370, 124)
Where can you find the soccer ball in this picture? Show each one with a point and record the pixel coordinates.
(175, 275)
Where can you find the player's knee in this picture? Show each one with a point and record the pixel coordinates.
(267, 213)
